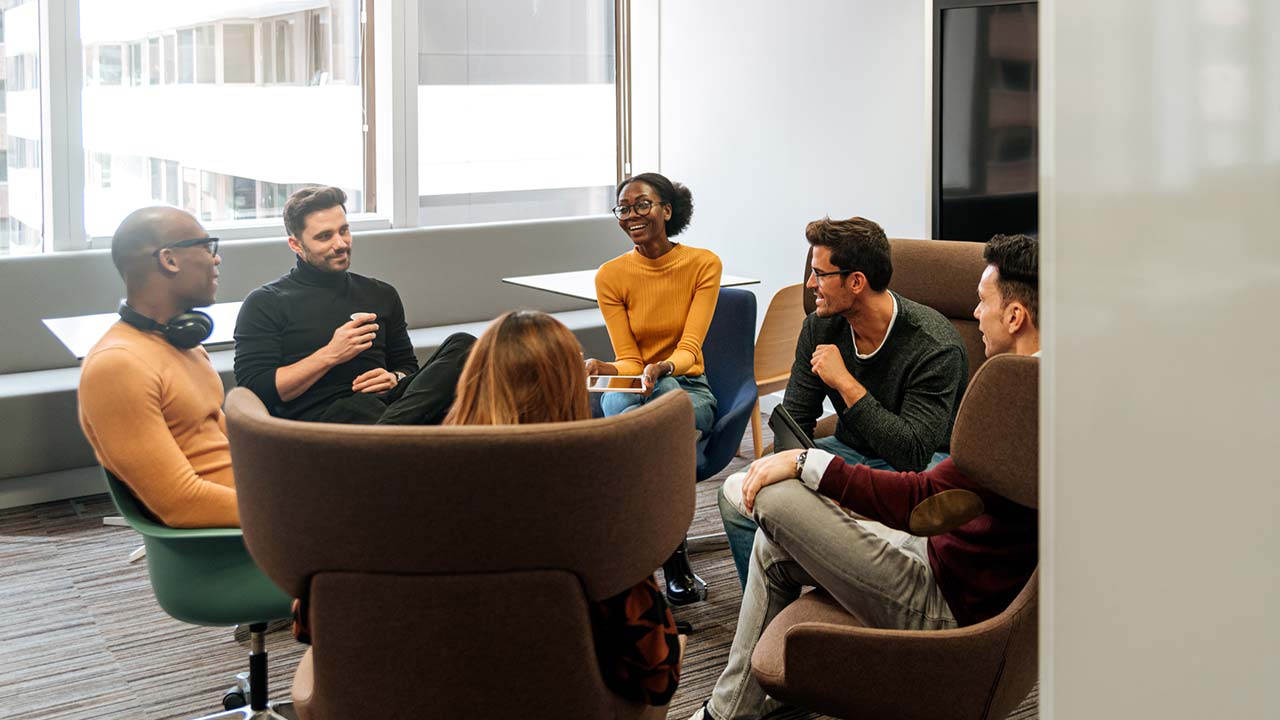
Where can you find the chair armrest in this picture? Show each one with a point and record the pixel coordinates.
(851, 671)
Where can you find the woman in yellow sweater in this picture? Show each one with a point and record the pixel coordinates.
(657, 302)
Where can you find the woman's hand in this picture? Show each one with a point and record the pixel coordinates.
(599, 367)
(655, 372)
(765, 472)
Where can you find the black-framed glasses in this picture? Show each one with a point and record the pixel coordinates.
(820, 275)
(641, 208)
(209, 243)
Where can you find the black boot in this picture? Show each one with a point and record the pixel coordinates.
(683, 586)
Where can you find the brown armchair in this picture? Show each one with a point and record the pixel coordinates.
(817, 656)
(449, 570)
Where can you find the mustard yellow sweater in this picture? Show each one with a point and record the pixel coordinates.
(659, 310)
(153, 414)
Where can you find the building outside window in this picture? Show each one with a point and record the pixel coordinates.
(22, 201)
(211, 130)
(516, 109)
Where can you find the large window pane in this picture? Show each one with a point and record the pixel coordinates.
(22, 190)
(223, 143)
(516, 109)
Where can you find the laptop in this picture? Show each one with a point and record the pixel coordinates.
(787, 434)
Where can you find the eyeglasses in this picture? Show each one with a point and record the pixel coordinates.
(821, 275)
(641, 208)
(210, 244)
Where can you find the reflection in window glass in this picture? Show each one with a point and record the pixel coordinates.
(266, 111)
(531, 115)
(22, 185)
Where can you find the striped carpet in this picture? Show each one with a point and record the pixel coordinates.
(82, 637)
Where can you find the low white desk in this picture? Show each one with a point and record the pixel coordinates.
(581, 284)
(79, 333)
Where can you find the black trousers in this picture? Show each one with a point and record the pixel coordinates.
(423, 398)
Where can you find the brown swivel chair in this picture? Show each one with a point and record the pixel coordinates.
(819, 657)
(449, 570)
(942, 274)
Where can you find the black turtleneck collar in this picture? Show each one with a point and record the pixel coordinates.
(307, 275)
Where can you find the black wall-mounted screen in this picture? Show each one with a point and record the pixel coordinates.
(985, 119)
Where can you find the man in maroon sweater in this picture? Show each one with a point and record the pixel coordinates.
(871, 565)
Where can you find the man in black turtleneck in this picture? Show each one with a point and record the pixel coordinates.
(324, 344)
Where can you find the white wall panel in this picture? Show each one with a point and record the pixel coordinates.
(775, 114)
(1161, 275)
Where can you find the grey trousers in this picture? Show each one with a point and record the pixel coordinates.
(878, 574)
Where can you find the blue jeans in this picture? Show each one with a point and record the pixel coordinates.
(741, 530)
(696, 386)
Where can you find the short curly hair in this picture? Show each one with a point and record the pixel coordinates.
(672, 193)
(310, 200)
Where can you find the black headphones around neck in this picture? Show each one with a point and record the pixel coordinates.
(183, 331)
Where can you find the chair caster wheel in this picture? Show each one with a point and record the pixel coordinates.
(234, 699)
(237, 696)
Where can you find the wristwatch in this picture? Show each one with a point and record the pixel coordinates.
(800, 462)
(400, 375)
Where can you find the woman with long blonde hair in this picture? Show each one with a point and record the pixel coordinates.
(527, 368)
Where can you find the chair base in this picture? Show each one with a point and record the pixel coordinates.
(272, 712)
(710, 541)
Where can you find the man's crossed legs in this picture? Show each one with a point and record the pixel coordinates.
(880, 575)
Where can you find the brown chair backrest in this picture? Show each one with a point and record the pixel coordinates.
(942, 274)
(776, 342)
(996, 438)
(452, 567)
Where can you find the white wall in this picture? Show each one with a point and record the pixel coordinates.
(1161, 414)
(775, 114)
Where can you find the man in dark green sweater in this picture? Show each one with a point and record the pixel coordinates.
(324, 344)
(893, 369)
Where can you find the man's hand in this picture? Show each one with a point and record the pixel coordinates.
(375, 381)
(351, 338)
(653, 373)
(829, 365)
(767, 471)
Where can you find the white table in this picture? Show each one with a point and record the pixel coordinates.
(581, 284)
(79, 333)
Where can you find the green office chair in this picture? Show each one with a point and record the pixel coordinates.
(205, 577)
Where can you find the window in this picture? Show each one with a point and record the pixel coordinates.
(153, 61)
(517, 109)
(226, 108)
(208, 130)
(110, 65)
(22, 206)
(169, 61)
(238, 53)
(186, 56)
(135, 63)
(205, 65)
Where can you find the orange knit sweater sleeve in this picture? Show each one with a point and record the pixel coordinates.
(123, 400)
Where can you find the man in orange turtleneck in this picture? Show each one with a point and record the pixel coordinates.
(150, 400)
